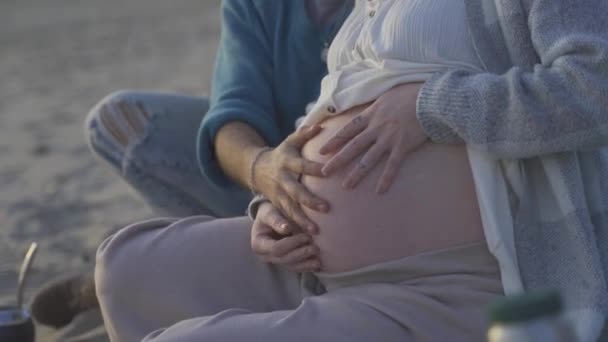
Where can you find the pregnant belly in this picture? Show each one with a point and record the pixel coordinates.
(431, 205)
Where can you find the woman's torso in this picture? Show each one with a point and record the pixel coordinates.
(432, 204)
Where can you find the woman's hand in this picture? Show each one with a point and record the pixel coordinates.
(387, 127)
(277, 172)
(276, 241)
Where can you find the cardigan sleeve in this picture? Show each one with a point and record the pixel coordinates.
(558, 105)
(241, 87)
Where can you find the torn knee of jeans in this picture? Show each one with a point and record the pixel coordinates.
(123, 122)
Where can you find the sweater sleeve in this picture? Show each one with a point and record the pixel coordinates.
(560, 104)
(242, 85)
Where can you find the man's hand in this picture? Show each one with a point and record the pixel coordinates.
(276, 241)
(277, 173)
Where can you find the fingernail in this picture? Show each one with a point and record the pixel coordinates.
(322, 207)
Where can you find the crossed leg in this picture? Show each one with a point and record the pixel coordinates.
(197, 279)
(331, 317)
(156, 273)
(150, 140)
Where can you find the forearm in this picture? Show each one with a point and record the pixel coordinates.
(554, 103)
(236, 144)
(516, 115)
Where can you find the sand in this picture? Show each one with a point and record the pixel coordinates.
(57, 59)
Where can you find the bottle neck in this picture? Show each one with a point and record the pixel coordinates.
(546, 329)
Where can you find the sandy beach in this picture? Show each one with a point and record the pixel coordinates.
(57, 60)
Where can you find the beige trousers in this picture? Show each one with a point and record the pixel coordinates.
(196, 279)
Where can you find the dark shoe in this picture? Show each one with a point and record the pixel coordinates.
(59, 301)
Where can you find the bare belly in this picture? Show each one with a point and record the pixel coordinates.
(431, 205)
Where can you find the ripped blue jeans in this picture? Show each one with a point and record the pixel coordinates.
(149, 139)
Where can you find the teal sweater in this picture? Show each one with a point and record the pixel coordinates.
(268, 68)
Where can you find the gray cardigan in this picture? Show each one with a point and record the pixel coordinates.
(544, 103)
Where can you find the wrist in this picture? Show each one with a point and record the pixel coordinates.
(254, 206)
(254, 159)
(247, 157)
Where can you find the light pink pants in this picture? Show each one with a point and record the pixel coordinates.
(196, 279)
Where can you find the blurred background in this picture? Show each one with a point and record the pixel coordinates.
(57, 59)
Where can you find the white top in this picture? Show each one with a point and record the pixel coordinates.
(384, 43)
(388, 42)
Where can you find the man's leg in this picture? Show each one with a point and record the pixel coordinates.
(156, 273)
(332, 317)
(435, 296)
(149, 139)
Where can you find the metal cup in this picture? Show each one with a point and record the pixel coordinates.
(16, 325)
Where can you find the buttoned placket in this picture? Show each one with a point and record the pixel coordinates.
(331, 108)
(330, 105)
(371, 8)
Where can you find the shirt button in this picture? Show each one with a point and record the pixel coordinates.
(372, 14)
(331, 109)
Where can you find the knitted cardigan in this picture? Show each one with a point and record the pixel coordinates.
(543, 106)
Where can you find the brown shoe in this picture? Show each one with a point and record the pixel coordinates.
(60, 300)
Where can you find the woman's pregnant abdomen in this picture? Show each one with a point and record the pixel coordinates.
(431, 205)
